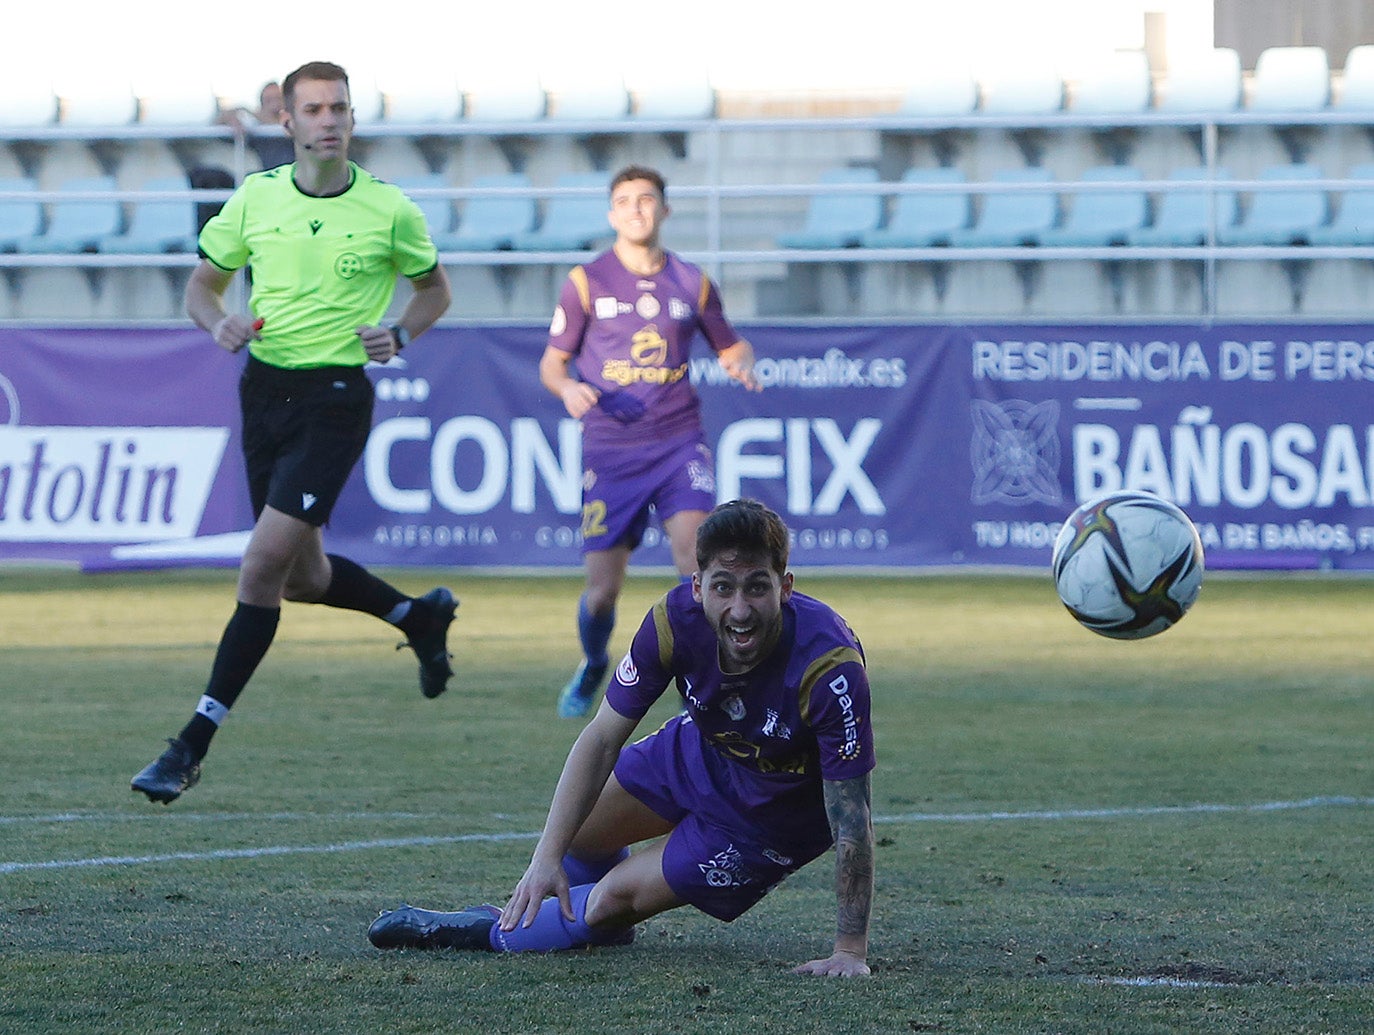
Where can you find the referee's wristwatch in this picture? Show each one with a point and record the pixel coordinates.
(401, 335)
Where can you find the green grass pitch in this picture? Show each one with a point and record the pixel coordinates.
(1074, 834)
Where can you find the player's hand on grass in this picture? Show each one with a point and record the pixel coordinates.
(840, 964)
(539, 882)
(233, 332)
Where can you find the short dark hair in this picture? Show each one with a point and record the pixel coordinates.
(743, 526)
(324, 70)
(640, 172)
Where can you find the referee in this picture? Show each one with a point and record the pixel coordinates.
(326, 241)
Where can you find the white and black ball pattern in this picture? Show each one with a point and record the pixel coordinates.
(1128, 564)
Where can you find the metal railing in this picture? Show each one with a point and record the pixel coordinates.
(714, 194)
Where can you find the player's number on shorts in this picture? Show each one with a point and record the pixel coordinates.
(593, 519)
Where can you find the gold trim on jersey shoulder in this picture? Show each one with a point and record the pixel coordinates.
(664, 628)
(832, 658)
(704, 293)
(578, 276)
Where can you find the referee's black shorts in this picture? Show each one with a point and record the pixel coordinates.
(303, 430)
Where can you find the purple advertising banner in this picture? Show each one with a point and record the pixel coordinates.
(884, 447)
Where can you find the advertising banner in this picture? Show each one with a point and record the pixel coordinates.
(883, 447)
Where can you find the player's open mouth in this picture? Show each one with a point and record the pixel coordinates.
(741, 637)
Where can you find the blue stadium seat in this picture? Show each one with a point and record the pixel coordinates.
(1101, 217)
(1280, 216)
(415, 97)
(1289, 79)
(936, 89)
(1029, 86)
(157, 225)
(662, 96)
(492, 223)
(573, 222)
(1357, 80)
(1011, 218)
(20, 218)
(589, 100)
(78, 224)
(1354, 220)
(1117, 83)
(1209, 81)
(438, 211)
(838, 220)
(1185, 215)
(921, 220)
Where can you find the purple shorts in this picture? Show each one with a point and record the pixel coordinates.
(717, 858)
(620, 487)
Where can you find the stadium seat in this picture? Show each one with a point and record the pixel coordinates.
(1101, 217)
(438, 211)
(29, 102)
(1280, 216)
(1186, 215)
(95, 104)
(157, 225)
(367, 99)
(429, 99)
(165, 102)
(506, 100)
(1010, 218)
(571, 222)
(589, 100)
(926, 218)
(663, 97)
(1205, 81)
(20, 218)
(934, 89)
(838, 220)
(1354, 220)
(1290, 79)
(1027, 87)
(78, 224)
(493, 223)
(1357, 80)
(1116, 84)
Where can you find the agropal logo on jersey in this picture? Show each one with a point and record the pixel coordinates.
(103, 485)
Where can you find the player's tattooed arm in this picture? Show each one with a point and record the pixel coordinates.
(849, 809)
(848, 805)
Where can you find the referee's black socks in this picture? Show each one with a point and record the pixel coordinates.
(353, 587)
(246, 638)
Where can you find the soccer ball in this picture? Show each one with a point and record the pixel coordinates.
(1128, 564)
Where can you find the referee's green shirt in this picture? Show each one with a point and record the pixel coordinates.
(322, 267)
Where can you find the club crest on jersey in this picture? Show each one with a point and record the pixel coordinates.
(605, 308)
(626, 671)
(647, 307)
(678, 309)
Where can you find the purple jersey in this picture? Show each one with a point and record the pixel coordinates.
(772, 734)
(631, 336)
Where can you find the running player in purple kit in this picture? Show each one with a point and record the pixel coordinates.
(624, 325)
(767, 767)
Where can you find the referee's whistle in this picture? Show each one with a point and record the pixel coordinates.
(257, 324)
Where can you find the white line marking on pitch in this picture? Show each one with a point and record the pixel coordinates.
(1322, 801)
(258, 853)
(212, 817)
